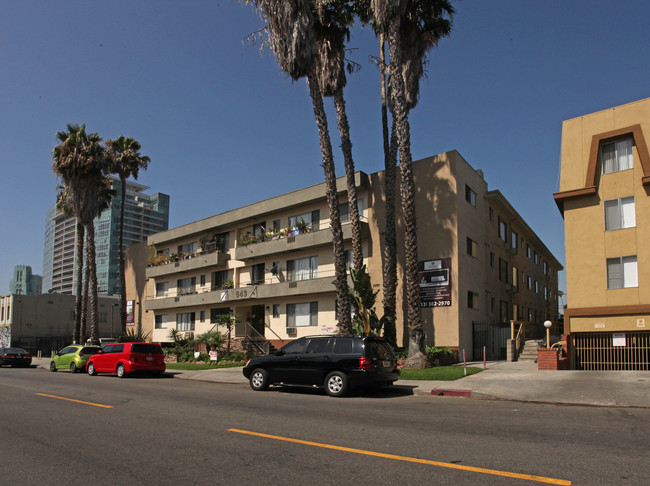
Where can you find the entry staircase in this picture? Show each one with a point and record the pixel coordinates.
(529, 351)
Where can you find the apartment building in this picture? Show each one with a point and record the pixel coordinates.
(603, 197)
(271, 262)
(145, 214)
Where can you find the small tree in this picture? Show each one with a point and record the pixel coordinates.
(228, 321)
(211, 339)
(365, 320)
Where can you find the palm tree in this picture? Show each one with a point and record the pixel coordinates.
(292, 39)
(333, 20)
(412, 27)
(79, 160)
(124, 160)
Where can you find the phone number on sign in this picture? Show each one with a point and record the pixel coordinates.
(437, 303)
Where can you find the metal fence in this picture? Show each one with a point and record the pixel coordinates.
(491, 335)
(624, 351)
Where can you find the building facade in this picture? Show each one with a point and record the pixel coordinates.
(271, 262)
(603, 197)
(45, 322)
(144, 215)
(24, 282)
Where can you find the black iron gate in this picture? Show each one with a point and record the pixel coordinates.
(491, 335)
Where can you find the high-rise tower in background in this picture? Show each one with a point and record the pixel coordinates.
(144, 215)
(23, 282)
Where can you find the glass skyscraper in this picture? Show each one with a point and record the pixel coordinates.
(144, 215)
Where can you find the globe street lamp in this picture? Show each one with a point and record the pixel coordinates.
(547, 325)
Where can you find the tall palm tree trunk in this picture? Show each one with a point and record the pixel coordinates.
(93, 304)
(122, 275)
(390, 244)
(346, 148)
(77, 337)
(407, 192)
(341, 282)
(84, 302)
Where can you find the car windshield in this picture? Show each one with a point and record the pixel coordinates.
(89, 351)
(15, 351)
(146, 348)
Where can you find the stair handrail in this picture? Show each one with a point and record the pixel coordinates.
(521, 333)
(257, 339)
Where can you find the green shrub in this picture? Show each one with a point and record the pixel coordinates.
(439, 353)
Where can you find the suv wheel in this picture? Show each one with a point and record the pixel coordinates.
(121, 372)
(336, 384)
(259, 379)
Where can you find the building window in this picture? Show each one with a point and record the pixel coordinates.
(472, 248)
(257, 274)
(161, 321)
(202, 280)
(622, 272)
(515, 276)
(472, 300)
(186, 285)
(302, 268)
(513, 240)
(187, 248)
(617, 156)
(503, 230)
(504, 311)
(470, 195)
(344, 210)
(503, 270)
(530, 283)
(202, 314)
(305, 314)
(276, 310)
(185, 321)
(491, 214)
(619, 213)
(217, 315)
(536, 257)
(219, 279)
(312, 219)
(162, 289)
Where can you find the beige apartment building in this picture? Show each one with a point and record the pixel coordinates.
(604, 188)
(271, 264)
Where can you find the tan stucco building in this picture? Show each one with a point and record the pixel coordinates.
(479, 262)
(604, 188)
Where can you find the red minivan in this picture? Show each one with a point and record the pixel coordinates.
(125, 358)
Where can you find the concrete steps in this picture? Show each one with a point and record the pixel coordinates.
(529, 351)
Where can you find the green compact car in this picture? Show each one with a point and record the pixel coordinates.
(73, 358)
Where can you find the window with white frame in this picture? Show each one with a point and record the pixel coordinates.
(344, 210)
(617, 156)
(161, 321)
(185, 321)
(620, 213)
(302, 268)
(622, 272)
(162, 289)
(503, 230)
(303, 314)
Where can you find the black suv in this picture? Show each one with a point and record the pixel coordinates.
(336, 363)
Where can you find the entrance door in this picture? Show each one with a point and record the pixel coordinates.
(257, 318)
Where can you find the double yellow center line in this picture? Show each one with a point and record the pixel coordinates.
(528, 477)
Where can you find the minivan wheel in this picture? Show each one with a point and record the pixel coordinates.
(91, 369)
(52, 366)
(336, 384)
(121, 372)
(259, 380)
(73, 368)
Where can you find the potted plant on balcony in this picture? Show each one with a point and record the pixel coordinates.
(302, 226)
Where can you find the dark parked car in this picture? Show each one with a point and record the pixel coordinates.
(125, 358)
(15, 357)
(336, 363)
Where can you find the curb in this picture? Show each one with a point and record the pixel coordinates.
(451, 393)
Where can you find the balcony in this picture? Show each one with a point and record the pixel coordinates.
(294, 243)
(187, 264)
(264, 292)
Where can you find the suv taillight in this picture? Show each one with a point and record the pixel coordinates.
(365, 363)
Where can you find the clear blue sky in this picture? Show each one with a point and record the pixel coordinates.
(209, 111)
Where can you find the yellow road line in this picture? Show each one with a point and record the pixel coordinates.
(76, 401)
(528, 477)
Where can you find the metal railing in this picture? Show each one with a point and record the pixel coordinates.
(624, 351)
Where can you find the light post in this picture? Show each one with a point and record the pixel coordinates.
(547, 325)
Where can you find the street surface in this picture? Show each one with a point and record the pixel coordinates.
(104, 430)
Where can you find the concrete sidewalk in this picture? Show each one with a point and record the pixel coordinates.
(519, 381)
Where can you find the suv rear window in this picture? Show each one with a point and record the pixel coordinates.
(146, 348)
(378, 349)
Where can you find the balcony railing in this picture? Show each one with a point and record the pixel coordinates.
(185, 263)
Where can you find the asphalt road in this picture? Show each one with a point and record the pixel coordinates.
(103, 430)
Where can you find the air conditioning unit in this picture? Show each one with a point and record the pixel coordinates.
(291, 331)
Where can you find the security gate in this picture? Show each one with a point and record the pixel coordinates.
(491, 335)
(611, 351)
